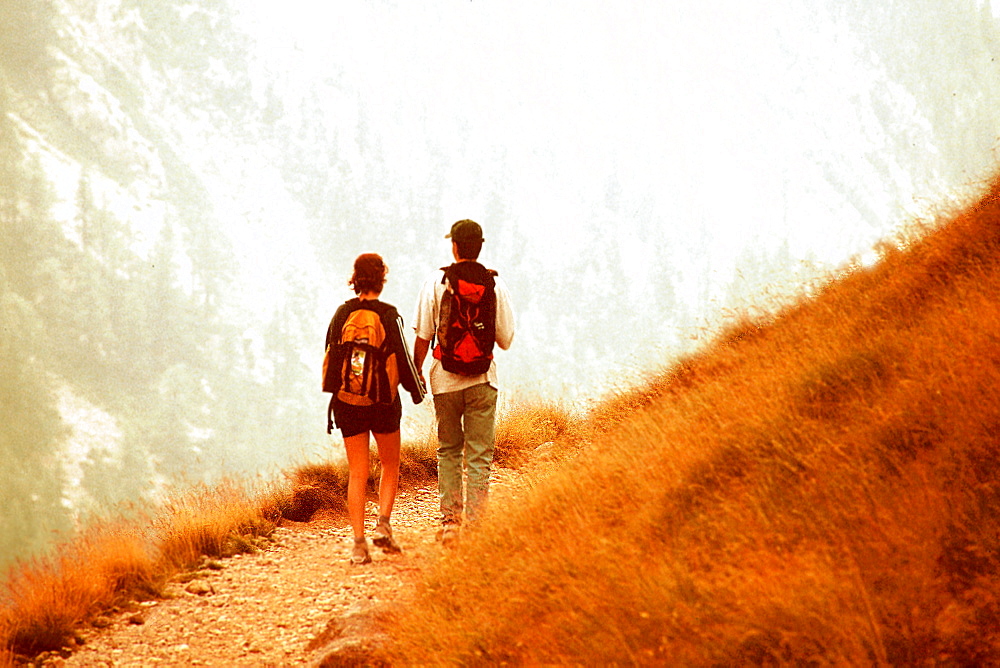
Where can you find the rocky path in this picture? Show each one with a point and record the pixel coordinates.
(297, 602)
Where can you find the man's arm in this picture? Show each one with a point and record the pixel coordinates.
(424, 325)
(505, 316)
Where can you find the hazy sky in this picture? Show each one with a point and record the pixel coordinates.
(684, 136)
(672, 96)
(727, 124)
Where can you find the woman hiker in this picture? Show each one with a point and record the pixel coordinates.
(367, 359)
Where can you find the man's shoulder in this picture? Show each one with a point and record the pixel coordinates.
(501, 286)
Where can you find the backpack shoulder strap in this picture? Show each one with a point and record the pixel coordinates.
(466, 270)
(335, 353)
(337, 322)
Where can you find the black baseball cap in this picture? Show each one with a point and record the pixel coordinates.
(465, 230)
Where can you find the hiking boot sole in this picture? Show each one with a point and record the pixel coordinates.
(360, 556)
(387, 544)
(448, 536)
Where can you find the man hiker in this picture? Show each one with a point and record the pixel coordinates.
(462, 310)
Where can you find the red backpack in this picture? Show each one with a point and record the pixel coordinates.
(467, 324)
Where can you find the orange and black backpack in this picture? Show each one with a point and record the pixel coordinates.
(359, 367)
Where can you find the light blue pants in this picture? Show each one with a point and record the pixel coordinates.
(465, 446)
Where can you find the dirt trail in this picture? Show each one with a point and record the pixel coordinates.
(294, 603)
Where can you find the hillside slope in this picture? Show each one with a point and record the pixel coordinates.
(822, 487)
(817, 489)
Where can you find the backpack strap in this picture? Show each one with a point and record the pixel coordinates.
(381, 389)
(329, 414)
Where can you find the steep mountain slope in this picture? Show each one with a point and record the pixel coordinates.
(817, 488)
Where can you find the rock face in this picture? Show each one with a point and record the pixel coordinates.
(119, 123)
(350, 640)
(85, 110)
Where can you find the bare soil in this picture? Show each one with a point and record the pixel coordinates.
(296, 602)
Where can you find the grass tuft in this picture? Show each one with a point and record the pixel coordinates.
(316, 487)
(45, 601)
(48, 599)
(210, 522)
(418, 461)
(525, 427)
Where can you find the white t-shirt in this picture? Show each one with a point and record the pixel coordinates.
(425, 322)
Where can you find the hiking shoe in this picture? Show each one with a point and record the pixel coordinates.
(448, 535)
(383, 537)
(359, 555)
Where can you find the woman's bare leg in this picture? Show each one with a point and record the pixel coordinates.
(388, 454)
(357, 482)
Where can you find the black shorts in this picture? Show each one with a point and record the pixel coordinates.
(378, 419)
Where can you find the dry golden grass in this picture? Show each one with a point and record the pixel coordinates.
(524, 427)
(220, 521)
(323, 486)
(820, 489)
(314, 487)
(114, 562)
(418, 462)
(48, 599)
